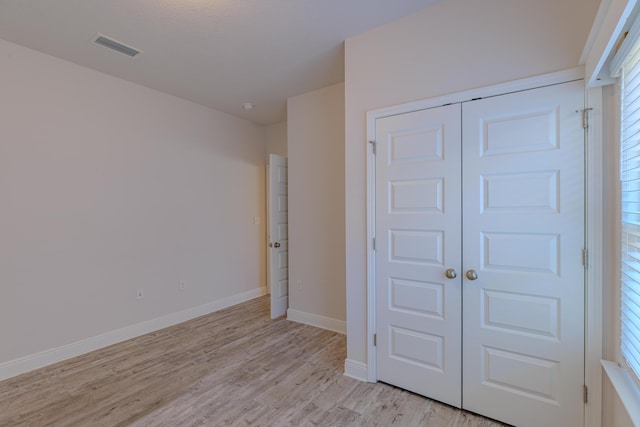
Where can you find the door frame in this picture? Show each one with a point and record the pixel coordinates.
(593, 219)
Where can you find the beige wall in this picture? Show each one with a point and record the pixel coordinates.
(315, 127)
(107, 187)
(277, 139)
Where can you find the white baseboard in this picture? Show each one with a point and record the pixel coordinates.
(29, 363)
(356, 370)
(339, 326)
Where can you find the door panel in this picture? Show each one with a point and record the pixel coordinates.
(523, 330)
(278, 256)
(497, 188)
(418, 237)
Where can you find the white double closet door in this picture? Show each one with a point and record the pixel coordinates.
(479, 274)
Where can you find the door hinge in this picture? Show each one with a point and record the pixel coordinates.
(373, 244)
(585, 257)
(373, 145)
(585, 118)
(585, 393)
(375, 336)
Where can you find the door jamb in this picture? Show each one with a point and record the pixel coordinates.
(593, 219)
(594, 242)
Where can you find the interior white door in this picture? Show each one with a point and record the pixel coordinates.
(493, 191)
(278, 251)
(417, 240)
(523, 204)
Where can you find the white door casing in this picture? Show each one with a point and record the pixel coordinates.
(523, 224)
(523, 233)
(418, 239)
(278, 251)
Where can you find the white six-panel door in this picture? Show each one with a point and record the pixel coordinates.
(495, 195)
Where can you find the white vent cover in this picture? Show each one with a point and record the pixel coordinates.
(115, 45)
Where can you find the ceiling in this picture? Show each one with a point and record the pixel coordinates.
(218, 53)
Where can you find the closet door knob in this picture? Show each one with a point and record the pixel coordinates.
(472, 275)
(276, 245)
(450, 273)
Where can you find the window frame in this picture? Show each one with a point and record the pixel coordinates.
(628, 52)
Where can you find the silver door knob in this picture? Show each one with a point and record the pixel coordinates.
(472, 275)
(276, 245)
(450, 273)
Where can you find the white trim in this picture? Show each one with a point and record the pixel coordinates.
(371, 254)
(335, 325)
(29, 363)
(356, 370)
(606, 31)
(593, 222)
(483, 92)
(596, 27)
(594, 241)
(616, 260)
(627, 49)
(626, 388)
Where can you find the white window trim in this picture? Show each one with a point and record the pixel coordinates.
(612, 21)
(626, 388)
(593, 222)
(618, 375)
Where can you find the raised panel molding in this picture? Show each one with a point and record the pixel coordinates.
(282, 175)
(283, 203)
(283, 288)
(423, 298)
(417, 347)
(521, 192)
(531, 253)
(418, 145)
(416, 196)
(506, 370)
(283, 232)
(416, 246)
(528, 315)
(283, 260)
(501, 135)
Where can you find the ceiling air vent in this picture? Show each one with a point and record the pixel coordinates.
(112, 44)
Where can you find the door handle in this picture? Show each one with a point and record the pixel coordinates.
(472, 275)
(276, 245)
(450, 273)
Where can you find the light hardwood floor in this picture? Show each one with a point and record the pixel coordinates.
(233, 367)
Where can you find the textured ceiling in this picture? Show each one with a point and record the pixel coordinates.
(218, 53)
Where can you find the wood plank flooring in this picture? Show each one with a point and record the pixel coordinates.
(235, 367)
